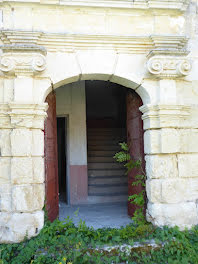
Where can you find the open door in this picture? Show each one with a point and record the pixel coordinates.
(135, 142)
(51, 159)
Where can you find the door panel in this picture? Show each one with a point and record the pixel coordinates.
(135, 142)
(51, 159)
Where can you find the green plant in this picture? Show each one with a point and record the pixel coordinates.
(137, 199)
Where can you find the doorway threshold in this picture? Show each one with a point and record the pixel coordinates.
(97, 215)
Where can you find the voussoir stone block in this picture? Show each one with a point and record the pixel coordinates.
(5, 145)
(28, 198)
(188, 165)
(180, 214)
(161, 166)
(21, 170)
(14, 227)
(5, 170)
(21, 142)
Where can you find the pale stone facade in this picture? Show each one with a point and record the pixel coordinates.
(146, 45)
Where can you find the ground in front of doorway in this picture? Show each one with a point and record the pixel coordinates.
(97, 216)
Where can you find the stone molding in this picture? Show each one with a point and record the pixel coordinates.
(168, 63)
(54, 42)
(20, 59)
(179, 5)
(138, 4)
(16, 115)
(165, 116)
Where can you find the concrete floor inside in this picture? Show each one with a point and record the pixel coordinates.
(97, 216)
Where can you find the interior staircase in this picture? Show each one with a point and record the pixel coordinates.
(107, 181)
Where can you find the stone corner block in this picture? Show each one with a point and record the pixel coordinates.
(28, 198)
(21, 142)
(183, 215)
(38, 142)
(21, 170)
(188, 165)
(15, 227)
(5, 198)
(166, 140)
(161, 166)
(5, 143)
(5, 170)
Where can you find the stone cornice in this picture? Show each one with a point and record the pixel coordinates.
(165, 115)
(136, 4)
(73, 42)
(19, 115)
(180, 5)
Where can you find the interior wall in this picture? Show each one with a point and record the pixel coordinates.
(71, 102)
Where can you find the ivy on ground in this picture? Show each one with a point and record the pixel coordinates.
(63, 242)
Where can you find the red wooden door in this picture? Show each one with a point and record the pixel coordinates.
(135, 141)
(51, 159)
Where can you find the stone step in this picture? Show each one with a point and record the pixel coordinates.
(108, 189)
(100, 159)
(105, 166)
(108, 180)
(107, 199)
(106, 137)
(104, 147)
(101, 153)
(103, 142)
(106, 173)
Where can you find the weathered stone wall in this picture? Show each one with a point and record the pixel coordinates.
(148, 46)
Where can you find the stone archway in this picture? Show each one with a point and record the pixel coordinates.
(25, 85)
(78, 172)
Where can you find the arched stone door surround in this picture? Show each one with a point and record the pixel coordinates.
(22, 139)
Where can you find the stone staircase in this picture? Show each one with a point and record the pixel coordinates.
(107, 181)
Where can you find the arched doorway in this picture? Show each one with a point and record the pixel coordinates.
(107, 114)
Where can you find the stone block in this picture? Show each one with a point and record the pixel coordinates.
(8, 90)
(161, 166)
(164, 141)
(189, 140)
(5, 197)
(183, 215)
(28, 198)
(21, 142)
(153, 190)
(98, 70)
(5, 142)
(60, 74)
(37, 142)
(38, 169)
(23, 87)
(188, 165)
(15, 227)
(174, 190)
(21, 170)
(5, 170)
